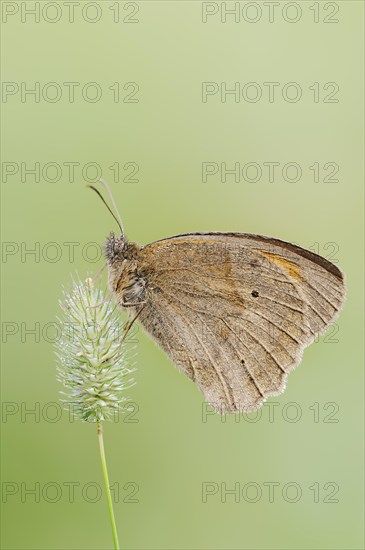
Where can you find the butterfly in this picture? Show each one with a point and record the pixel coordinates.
(234, 311)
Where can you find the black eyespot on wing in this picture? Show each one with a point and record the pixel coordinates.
(254, 293)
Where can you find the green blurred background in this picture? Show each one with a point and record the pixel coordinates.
(163, 456)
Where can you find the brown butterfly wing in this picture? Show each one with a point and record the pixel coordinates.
(235, 311)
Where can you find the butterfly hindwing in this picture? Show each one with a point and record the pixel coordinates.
(235, 311)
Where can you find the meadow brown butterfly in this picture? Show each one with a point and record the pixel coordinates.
(233, 311)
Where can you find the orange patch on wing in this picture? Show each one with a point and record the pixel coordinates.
(292, 268)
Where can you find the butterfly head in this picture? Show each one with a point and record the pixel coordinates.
(115, 248)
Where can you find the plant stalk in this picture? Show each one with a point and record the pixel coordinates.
(106, 483)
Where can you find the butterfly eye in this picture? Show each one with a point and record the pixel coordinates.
(255, 294)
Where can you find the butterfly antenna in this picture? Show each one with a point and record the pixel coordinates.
(108, 207)
(109, 191)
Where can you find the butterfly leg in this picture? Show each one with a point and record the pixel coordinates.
(98, 273)
(94, 279)
(98, 305)
(132, 304)
(128, 325)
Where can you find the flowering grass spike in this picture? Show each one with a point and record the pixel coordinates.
(93, 364)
